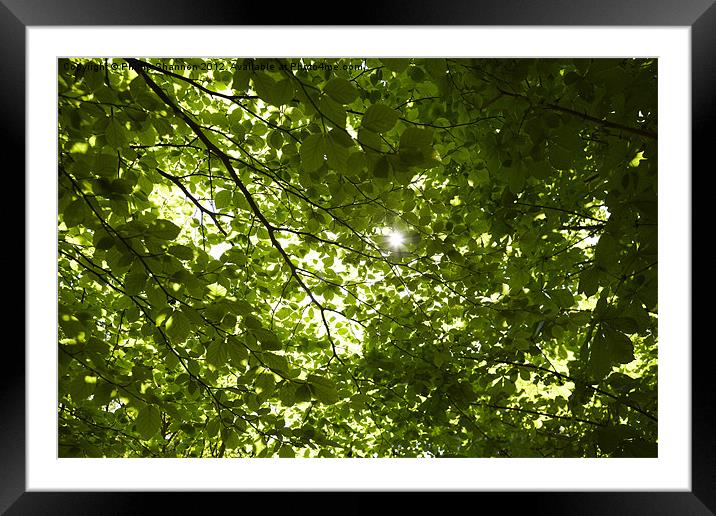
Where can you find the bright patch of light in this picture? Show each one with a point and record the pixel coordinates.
(218, 249)
(592, 240)
(395, 239)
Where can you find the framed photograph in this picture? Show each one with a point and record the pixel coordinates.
(381, 255)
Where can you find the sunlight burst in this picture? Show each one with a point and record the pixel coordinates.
(395, 239)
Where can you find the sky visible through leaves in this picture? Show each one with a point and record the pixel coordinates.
(357, 257)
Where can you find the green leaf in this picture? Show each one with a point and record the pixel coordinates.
(559, 157)
(178, 327)
(75, 212)
(608, 348)
(164, 229)
(606, 252)
(563, 297)
(570, 78)
(370, 140)
(267, 338)
(115, 134)
(323, 389)
(241, 307)
(216, 290)
(620, 346)
(610, 437)
(105, 243)
(106, 165)
(639, 448)
(336, 154)
(379, 118)
(148, 135)
(623, 324)
(516, 177)
(341, 90)
(312, 152)
(223, 199)
(396, 64)
(275, 139)
(148, 422)
(266, 384)
(287, 394)
(252, 322)
(274, 92)
(80, 389)
(303, 393)
(275, 362)
(135, 282)
(236, 351)
(212, 427)
(332, 112)
(589, 281)
(416, 147)
(414, 137)
(240, 80)
(357, 163)
(181, 251)
(217, 354)
(340, 137)
(381, 168)
(103, 392)
(599, 362)
(286, 452)
(94, 80)
(121, 186)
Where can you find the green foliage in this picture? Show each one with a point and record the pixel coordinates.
(379, 118)
(148, 422)
(341, 90)
(390, 258)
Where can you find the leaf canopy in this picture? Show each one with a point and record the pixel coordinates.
(390, 258)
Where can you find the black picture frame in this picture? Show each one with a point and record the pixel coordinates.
(17, 15)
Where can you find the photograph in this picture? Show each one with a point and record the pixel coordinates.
(346, 257)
